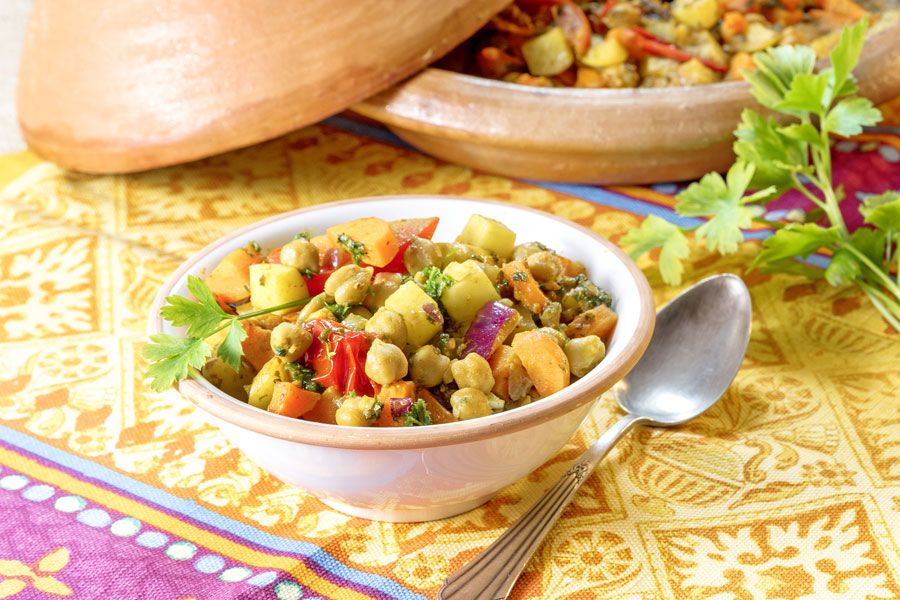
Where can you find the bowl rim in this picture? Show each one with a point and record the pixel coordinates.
(244, 416)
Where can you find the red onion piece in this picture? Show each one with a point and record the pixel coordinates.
(432, 311)
(400, 406)
(492, 324)
(331, 260)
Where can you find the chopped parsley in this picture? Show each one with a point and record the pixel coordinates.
(443, 340)
(280, 351)
(589, 294)
(418, 414)
(303, 376)
(338, 310)
(520, 276)
(356, 249)
(309, 273)
(374, 412)
(435, 282)
(302, 236)
(255, 245)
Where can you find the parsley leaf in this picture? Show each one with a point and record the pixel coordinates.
(850, 115)
(171, 356)
(654, 233)
(231, 350)
(201, 317)
(796, 239)
(845, 56)
(882, 211)
(417, 414)
(805, 94)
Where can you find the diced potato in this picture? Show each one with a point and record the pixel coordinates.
(489, 234)
(699, 14)
(757, 37)
(271, 285)
(470, 291)
(263, 385)
(605, 53)
(694, 72)
(227, 379)
(408, 302)
(548, 53)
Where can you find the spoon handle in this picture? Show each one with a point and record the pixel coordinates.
(491, 574)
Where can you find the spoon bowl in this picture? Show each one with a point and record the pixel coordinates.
(695, 352)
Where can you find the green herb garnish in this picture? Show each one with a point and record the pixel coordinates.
(302, 236)
(280, 351)
(435, 282)
(303, 376)
(772, 158)
(356, 249)
(172, 356)
(417, 414)
(520, 276)
(374, 412)
(338, 310)
(255, 245)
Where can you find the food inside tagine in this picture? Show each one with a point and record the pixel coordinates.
(402, 330)
(648, 43)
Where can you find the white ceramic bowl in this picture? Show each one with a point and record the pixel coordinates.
(415, 473)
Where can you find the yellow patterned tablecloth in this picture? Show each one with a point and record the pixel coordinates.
(788, 488)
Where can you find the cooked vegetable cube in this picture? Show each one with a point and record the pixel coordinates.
(605, 52)
(409, 301)
(229, 280)
(489, 234)
(378, 242)
(700, 14)
(545, 362)
(470, 291)
(232, 382)
(271, 285)
(549, 53)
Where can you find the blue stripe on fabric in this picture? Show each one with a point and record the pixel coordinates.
(376, 132)
(597, 195)
(194, 511)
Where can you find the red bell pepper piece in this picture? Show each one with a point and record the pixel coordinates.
(640, 42)
(338, 356)
(575, 26)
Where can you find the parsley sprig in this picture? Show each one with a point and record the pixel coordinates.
(773, 158)
(171, 356)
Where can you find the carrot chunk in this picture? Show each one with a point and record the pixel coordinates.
(230, 280)
(292, 401)
(599, 321)
(525, 287)
(379, 244)
(544, 361)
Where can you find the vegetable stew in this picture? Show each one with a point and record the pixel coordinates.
(647, 43)
(375, 324)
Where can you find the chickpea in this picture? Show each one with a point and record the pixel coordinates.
(385, 363)
(315, 304)
(389, 325)
(584, 354)
(354, 321)
(383, 286)
(470, 403)
(322, 313)
(427, 366)
(349, 284)
(290, 341)
(419, 254)
(544, 265)
(356, 411)
(555, 335)
(301, 255)
(519, 382)
(551, 314)
(473, 371)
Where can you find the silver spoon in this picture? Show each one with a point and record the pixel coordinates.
(695, 352)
